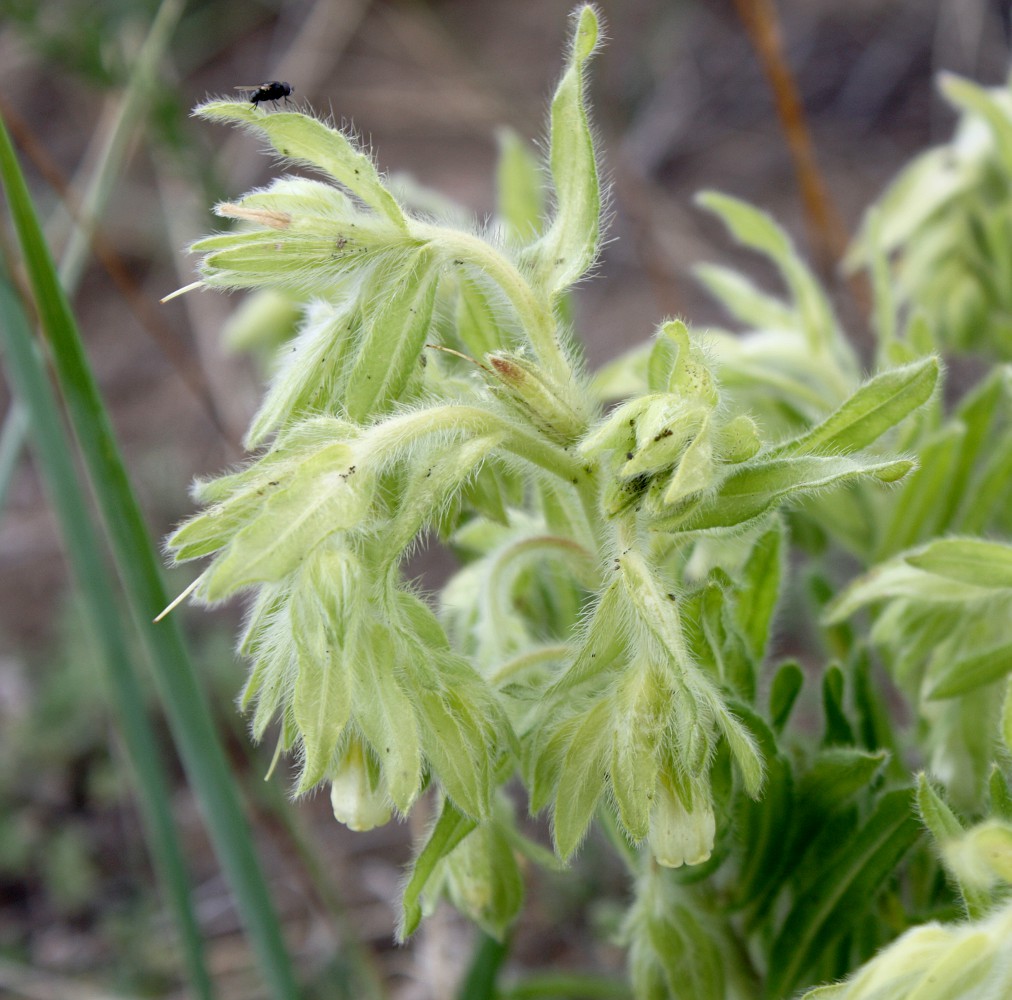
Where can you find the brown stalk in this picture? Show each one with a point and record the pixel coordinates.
(825, 229)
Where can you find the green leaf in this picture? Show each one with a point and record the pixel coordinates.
(300, 261)
(979, 101)
(569, 246)
(604, 643)
(756, 230)
(759, 590)
(323, 696)
(764, 824)
(323, 495)
(456, 713)
(877, 406)
(695, 471)
(846, 881)
(838, 729)
(915, 516)
(787, 684)
(967, 560)
(392, 344)
(546, 754)
(897, 578)
(979, 412)
(582, 777)
(670, 347)
(385, 714)
(837, 776)
(945, 827)
(311, 372)
(299, 137)
(450, 829)
(431, 484)
(744, 752)
(874, 720)
(999, 794)
(479, 331)
(935, 813)
(692, 958)
(639, 723)
(483, 879)
(25, 367)
(987, 499)
(754, 489)
(743, 300)
(970, 672)
(423, 623)
(521, 195)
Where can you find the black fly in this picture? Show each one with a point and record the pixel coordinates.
(273, 91)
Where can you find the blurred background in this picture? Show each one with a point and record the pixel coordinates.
(681, 102)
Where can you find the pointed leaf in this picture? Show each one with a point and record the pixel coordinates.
(323, 697)
(520, 192)
(582, 779)
(385, 715)
(847, 882)
(787, 684)
(969, 96)
(759, 590)
(743, 300)
(569, 246)
(967, 560)
(754, 489)
(299, 137)
(838, 730)
(460, 739)
(758, 231)
(392, 343)
(639, 724)
(970, 672)
(323, 496)
(450, 829)
(880, 404)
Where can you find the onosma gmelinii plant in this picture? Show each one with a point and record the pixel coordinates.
(623, 544)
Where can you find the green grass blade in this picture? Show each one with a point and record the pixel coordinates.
(84, 550)
(138, 564)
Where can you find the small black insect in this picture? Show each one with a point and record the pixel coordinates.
(272, 90)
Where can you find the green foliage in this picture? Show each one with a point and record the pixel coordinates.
(947, 220)
(607, 637)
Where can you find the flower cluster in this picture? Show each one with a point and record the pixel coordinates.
(604, 638)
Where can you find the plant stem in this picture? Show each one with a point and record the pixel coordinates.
(479, 983)
(536, 315)
(567, 984)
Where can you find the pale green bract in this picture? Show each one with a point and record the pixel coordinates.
(624, 543)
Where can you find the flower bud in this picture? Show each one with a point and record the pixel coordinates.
(681, 834)
(357, 791)
(553, 408)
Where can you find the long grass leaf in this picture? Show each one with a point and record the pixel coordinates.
(38, 406)
(138, 564)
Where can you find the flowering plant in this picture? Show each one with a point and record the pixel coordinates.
(623, 542)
